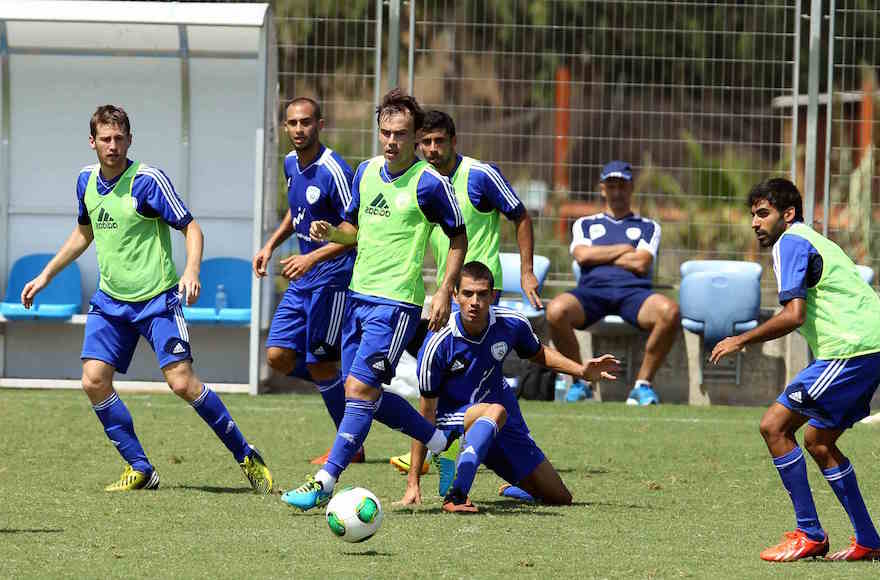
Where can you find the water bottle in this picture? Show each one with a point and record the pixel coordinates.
(220, 298)
(559, 388)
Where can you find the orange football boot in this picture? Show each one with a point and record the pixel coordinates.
(456, 502)
(795, 546)
(855, 552)
(359, 457)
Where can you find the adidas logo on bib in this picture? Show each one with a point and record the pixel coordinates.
(105, 221)
(378, 207)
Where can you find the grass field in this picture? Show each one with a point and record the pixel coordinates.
(668, 492)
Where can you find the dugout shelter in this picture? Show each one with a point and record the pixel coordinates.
(199, 83)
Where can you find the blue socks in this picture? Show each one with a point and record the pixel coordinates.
(395, 412)
(519, 493)
(474, 447)
(793, 470)
(212, 410)
(842, 480)
(353, 430)
(333, 393)
(119, 428)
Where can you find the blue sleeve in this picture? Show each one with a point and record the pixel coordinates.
(354, 204)
(437, 201)
(488, 190)
(340, 184)
(82, 217)
(791, 257)
(432, 364)
(156, 197)
(526, 344)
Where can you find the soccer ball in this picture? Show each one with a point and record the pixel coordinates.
(354, 514)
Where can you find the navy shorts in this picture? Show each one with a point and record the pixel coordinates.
(113, 328)
(309, 322)
(599, 302)
(834, 393)
(374, 336)
(513, 454)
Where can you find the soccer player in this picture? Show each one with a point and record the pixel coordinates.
(483, 195)
(616, 250)
(463, 392)
(823, 297)
(396, 200)
(126, 207)
(308, 320)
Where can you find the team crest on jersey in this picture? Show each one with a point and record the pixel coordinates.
(633, 233)
(597, 231)
(312, 194)
(499, 350)
(402, 200)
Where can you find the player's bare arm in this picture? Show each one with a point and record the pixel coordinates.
(345, 233)
(297, 266)
(593, 369)
(597, 255)
(525, 239)
(189, 286)
(789, 319)
(638, 262)
(413, 493)
(77, 243)
(281, 234)
(441, 301)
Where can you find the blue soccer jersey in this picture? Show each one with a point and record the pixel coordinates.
(461, 370)
(603, 230)
(797, 265)
(320, 191)
(488, 190)
(151, 189)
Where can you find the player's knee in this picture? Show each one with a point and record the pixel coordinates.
(557, 313)
(323, 371)
(818, 450)
(498, 413)
(671, 313)
(280, 359)
(770, 429)
(94, 382)
(559, 497)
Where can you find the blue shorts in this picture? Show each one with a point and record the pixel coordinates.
(113, 328)
(309, 322)
(374, 334)
(513, 454)
(599, 302)
(834, 393)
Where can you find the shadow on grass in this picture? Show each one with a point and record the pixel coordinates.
(495, 508)
(369, 553)
(629, 506)
(31, 530)
(212, 488)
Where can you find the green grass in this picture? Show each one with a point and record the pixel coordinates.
(668, 492)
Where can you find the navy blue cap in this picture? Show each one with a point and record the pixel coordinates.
(618, 169)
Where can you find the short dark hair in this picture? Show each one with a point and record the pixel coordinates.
(316, 108)
(109, 115)
(435, 120)
(476, 271)
(781, 194)
(396, 101)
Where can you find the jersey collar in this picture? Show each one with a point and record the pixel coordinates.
(386, 175)
(317, 158)
(459, 332)
(628, 216)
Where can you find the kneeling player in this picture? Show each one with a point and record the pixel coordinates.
(464, 393)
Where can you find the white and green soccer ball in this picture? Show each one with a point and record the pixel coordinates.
(354, 514)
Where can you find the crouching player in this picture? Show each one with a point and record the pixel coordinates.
(463, 392)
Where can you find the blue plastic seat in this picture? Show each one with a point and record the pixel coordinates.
(866, 272)
(235, 276)
(510, 273)
(719, 298)
(60, 300)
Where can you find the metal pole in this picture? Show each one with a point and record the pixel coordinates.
(377, 69)
(5, 117)
(812, 111)
(393, 43)
(795, 90)
(185, 113)
(411, 61)
(257, 241)
(829, 109)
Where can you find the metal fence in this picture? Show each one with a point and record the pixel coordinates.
(704, 98)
